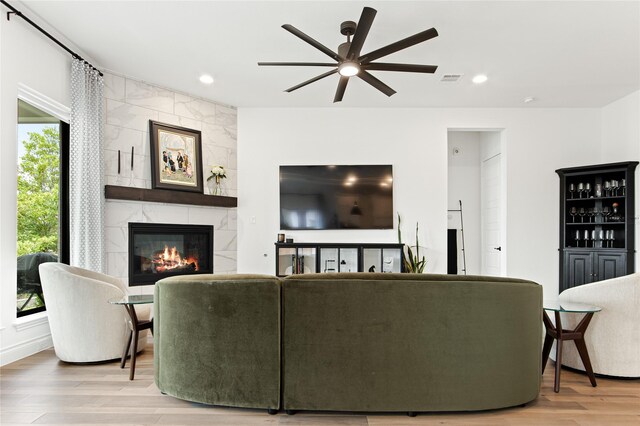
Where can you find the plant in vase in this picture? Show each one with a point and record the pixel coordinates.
(217, 174)
(412, 263)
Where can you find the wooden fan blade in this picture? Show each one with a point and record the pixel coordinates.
(296, 64)
(362, 30)
(321, 47)
(399, 45)
(342, 86)
(377, 66)
(321, 76)
(376, 83)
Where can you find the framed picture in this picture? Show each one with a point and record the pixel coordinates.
(176, 157)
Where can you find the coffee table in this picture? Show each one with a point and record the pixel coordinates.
(135, 326)
(560, 335)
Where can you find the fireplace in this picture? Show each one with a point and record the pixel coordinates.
(158, 250)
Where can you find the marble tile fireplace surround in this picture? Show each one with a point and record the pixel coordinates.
(129, 105)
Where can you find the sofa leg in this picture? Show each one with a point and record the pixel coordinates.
(411, 413)
(290, 412)
(272, 411)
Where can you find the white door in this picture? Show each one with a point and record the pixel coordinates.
(490, 216)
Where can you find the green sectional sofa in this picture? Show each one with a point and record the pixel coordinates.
(349, 342)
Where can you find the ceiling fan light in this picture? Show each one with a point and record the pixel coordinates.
(348, 69)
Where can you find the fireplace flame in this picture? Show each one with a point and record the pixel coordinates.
(170, 259)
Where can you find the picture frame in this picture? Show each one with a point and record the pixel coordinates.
(176, 157)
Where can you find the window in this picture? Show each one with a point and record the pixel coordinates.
(42, 207)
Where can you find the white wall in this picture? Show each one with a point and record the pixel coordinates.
(621, 141)
(464, 184)
(27, 58)
(129, 105)
(537, 141)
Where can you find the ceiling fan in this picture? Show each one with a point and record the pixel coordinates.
(349, 61)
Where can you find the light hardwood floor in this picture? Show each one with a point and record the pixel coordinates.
(42, 390)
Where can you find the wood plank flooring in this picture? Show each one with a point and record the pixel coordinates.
(42, 390)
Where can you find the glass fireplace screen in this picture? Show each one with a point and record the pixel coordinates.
(159, 250)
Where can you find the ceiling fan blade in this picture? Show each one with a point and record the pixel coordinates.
(377, 66)
(362, 30)
(399, 45)
(296, 64)
(342, 86)
(326, 74)
(321, 47)
(376, 83)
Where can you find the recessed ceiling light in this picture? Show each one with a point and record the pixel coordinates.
(479, 79)
(206, 79)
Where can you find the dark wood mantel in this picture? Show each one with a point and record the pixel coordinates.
(166, 196)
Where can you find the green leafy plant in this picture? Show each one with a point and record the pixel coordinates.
(412, 263)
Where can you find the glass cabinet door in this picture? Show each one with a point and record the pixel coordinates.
(348, 260)
(372, 260)
(391, 259)
(328, 260)
(286, 261)
(306, 260)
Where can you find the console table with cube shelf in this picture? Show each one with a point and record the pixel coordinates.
(311, 258)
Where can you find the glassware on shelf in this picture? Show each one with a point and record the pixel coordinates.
(612, 238)
(587, 188)
(615, 216)
(614, 188)
(580, 189)
(593, 238)
(586, 237)
(607, 188)
(600, 237)
(623, 186)
(572, 189)
(598, 190)
(577, 238)
(591, 214)
(573, 211)
(606, 212)
(582, 212)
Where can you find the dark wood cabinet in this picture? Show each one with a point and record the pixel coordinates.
(597, 213)
(309, 258)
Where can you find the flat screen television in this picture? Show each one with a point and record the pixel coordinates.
(336, 197)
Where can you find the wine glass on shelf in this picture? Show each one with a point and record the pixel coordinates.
(572, 189)
(600, 237)
(582, 212)
(606, 212)
(587, 188)
(577, 238)
(614, 187)
(573, 211)
(593, 238)
(607, 188)
(612, 238)
(586, 237)
(580, 189)
(591, 214)
(623, 186)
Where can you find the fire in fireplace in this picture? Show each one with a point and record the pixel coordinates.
(158, 250)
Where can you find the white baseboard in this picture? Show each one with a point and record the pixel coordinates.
(24, 349)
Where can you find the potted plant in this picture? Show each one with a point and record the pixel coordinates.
(412, 263)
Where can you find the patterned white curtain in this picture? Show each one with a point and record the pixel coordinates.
(86, 188)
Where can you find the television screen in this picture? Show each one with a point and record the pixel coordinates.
(336, 197)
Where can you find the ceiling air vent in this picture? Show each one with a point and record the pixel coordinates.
(451, 78)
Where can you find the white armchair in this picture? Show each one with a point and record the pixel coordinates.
(85, 327)
(613, 337)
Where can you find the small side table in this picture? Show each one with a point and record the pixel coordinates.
(560, 335)
(135, 326)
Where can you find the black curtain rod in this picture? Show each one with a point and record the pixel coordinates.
(52, 38)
